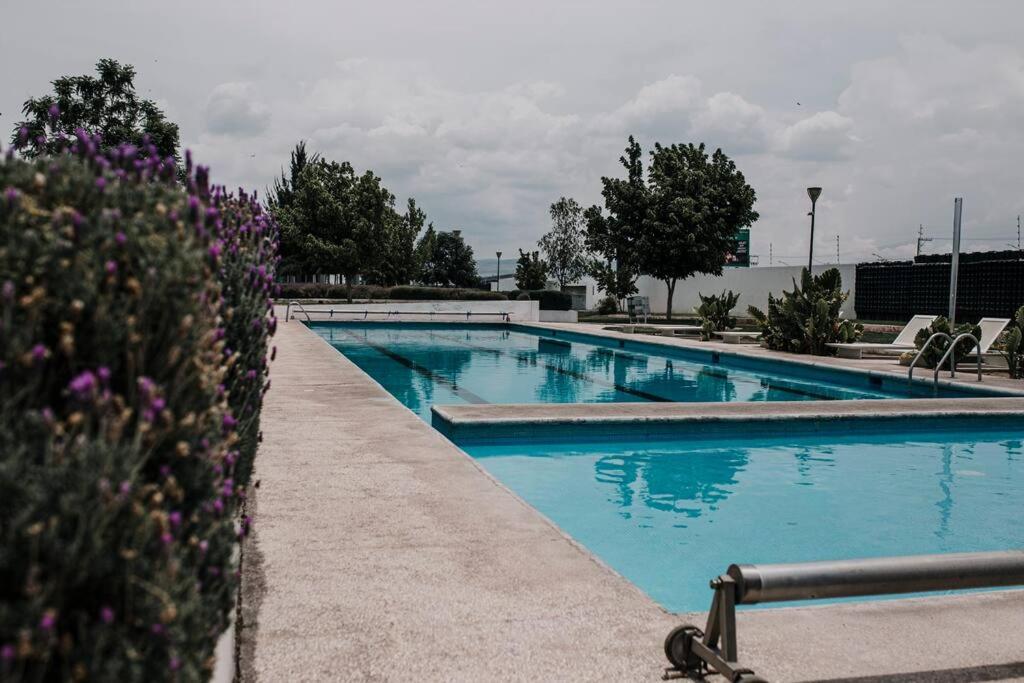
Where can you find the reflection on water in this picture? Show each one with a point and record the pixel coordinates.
(427, 364)
(671, 514)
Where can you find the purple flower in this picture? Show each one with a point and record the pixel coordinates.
(228, 421)
(214, 251)
(38, 353)
(22, 136)
(146, 387)
(157, 629)
(125, 487)
(54, 113)
(158, 404)
(110, 267)
(83, 385)
(174, 664)
(106, 615)
(101, 183)
(103, 373)
(8, 290)
(166, 538)
(120, 238)
(174, 518)
(48, 621)
(203, 546)
(7, 652)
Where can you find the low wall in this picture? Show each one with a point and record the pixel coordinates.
(752, 284)
(520, 311)
(559, 316)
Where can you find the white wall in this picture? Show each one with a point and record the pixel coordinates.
(752, 284)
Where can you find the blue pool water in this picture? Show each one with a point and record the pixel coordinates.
(426, 364)
(671, 514)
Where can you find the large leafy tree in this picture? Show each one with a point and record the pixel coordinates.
(564, 246)
(454, 264)
(399, 264)
(105, 104)
(696, 204)
(614, 237)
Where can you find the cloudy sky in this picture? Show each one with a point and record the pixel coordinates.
(487, 112)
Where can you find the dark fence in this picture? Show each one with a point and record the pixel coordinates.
(992, 286)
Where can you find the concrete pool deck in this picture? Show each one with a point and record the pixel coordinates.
(380, 551)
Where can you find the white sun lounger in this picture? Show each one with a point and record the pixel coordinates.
(991, 328)
(737, 336)
(904, 341)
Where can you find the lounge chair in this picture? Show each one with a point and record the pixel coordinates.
(991, 328)
(904, 341)
(738, 336)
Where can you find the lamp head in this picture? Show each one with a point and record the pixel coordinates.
(813, 193)
(498, 253)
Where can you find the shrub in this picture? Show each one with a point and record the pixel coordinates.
(608, 305)
(550, 299)
(130, 326)
(1012, 345)
(938, 348)
(444, 293)
(522, 296)
(808, 318)
(714, 311)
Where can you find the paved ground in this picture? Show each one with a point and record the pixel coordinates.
(382, 552)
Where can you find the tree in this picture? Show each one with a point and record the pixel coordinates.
(106, 105)
(614, 237)
(399, 267)
(334, 221)
(280, 199)
(564, 246)
(696, 205)
(446, 260)
(531, 271)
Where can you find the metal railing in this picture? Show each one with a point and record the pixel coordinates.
(388, 314)
(951, 351)
(692, 651)
(920, 354)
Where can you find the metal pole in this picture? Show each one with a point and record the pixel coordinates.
(497, 287)
(813, 193)
(876, 576)
(954, 266)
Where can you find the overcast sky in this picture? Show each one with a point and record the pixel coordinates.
(486, 112)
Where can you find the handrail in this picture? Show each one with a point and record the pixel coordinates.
(693, 651)
(952, 363)
(913, 364)
(288, 311)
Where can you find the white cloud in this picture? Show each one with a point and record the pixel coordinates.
(824, 136)
(233, 109)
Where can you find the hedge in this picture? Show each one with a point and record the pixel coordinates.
(406, 292)
(134, 318)
(550, 299)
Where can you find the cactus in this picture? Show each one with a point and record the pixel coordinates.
(808, 318)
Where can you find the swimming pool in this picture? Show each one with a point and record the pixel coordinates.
(671, 513)
(444, 363)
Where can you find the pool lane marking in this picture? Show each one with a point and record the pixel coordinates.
(464, 394)
(564, 371)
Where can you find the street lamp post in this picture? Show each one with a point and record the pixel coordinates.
(497, 286)
(813, 193)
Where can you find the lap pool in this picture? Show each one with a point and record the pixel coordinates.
(426, 364)
(670, 509)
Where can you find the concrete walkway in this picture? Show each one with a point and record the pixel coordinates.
(382, 552)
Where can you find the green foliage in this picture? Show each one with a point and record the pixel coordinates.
(134, 317)
(334, 221)
(714, 313)
(550, 299)
(938, 347)
(696, 206)
(614, 237)
(608, 305)
(531, 271)
(446, 260)
(1012, 345)
(106, 105)
(808, 318)
(564, 246)
(309, 290)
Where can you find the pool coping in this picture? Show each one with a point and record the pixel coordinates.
(329, 611)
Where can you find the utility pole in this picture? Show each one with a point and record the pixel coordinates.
(1018, 232)
(837, 250)
(921, 239)
(771, 258)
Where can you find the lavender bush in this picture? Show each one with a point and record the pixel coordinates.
(134, 322)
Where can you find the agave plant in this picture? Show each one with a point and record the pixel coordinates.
(1012, 345)
(808, 318)
(714, 312)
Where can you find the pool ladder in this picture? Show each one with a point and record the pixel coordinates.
(950, 351)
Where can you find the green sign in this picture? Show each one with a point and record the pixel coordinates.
(741, 257)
